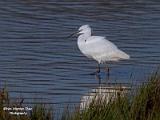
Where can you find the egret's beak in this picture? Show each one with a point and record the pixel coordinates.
(74, 34)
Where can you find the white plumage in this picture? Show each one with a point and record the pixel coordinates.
(98, 47)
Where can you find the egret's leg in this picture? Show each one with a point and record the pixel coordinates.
(107, 69)
(97, 76)
(98, 68)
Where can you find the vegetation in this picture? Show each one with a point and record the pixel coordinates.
(144, 104)
(17, 111)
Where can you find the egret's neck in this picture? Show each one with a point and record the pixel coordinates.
(82, 40)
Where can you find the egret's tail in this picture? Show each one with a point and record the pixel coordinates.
(123, 55)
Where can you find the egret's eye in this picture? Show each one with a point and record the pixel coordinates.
(80, 30)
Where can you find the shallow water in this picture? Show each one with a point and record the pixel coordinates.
(39, 63)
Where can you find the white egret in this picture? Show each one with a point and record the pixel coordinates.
(98, 47)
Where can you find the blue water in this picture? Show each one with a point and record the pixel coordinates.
(39, 63)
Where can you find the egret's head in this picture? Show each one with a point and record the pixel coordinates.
(84, 29)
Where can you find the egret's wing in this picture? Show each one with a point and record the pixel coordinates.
(100, 45)
(103, 50)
